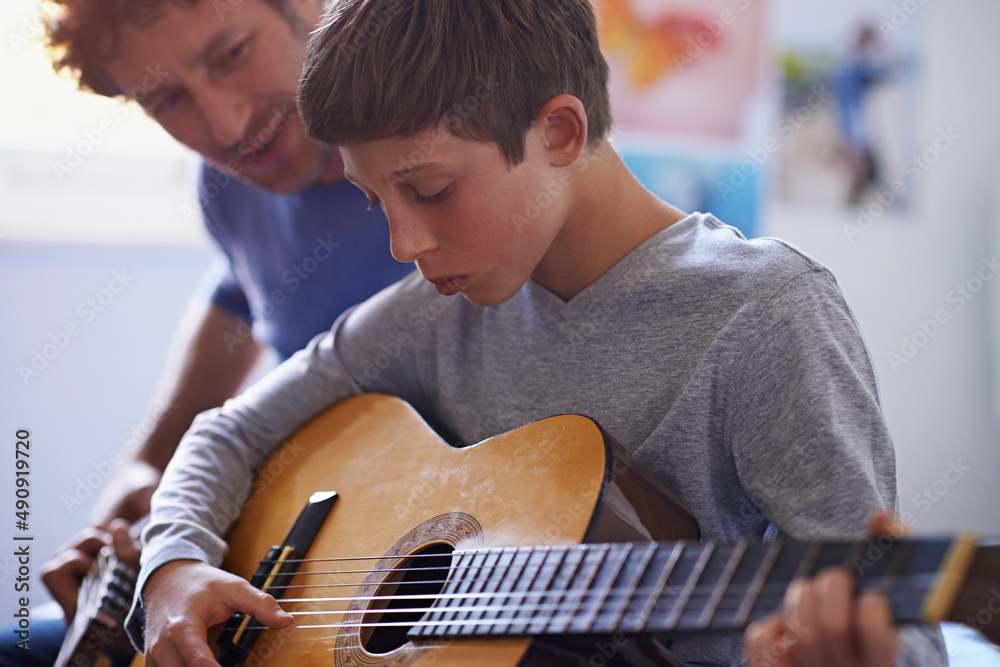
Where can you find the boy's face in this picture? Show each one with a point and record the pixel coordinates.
(470, 222)
(222, 79)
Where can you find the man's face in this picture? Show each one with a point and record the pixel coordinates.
(222, 78)
(457, 210)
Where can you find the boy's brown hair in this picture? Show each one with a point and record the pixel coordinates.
(82, 35)
(387, 68)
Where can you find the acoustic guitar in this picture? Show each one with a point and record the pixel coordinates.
(540, 546)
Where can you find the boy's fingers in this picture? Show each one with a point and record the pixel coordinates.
(835, 591)
(883, 524)
(761, 642)
(263, 607)
(879, 641)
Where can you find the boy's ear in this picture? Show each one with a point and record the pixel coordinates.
(564, 123)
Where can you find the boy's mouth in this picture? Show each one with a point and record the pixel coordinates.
(450, 285)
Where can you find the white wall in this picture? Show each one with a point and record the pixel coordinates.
(901, 271)
(92, 393)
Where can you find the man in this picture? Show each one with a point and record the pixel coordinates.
(300, 245)
(731, 370)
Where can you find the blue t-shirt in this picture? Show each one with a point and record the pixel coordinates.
(294, 263)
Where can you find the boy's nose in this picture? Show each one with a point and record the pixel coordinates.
(409, 237)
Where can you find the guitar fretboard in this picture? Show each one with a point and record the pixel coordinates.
(662, 588)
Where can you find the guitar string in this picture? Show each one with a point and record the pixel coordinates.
(869, 582)
(726, 604)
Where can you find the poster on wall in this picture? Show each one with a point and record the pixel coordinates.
(850, 74)
(686, 86)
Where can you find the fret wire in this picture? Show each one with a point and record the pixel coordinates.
(899, 559)
(720, 588)
(688, 589)
(660, 585)
(757, 584)
(513, 579)
(599, 556)
(491, 560)
(468, 584)
(611, 582)
(628, 597)
(700, 591)
(808, 558)
(537, 624)
(529, 584)
(561, 596)
(504, 558)
(457, 583)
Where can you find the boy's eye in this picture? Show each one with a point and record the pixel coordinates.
(432, 199)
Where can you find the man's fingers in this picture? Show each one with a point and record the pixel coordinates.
(62, 576)
(126, 546)
(89, 541)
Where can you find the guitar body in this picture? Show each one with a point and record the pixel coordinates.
(402, 489)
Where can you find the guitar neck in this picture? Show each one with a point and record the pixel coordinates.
(686, 587)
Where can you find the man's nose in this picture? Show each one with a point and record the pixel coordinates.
(227, 114)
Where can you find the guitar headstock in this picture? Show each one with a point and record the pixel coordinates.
(977, 604)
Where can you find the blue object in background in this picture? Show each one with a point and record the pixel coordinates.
(728, 185)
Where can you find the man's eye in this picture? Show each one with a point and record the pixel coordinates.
(234, 55)
(167, 103)
(373, 203)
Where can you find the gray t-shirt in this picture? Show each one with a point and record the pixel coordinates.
(731, 369)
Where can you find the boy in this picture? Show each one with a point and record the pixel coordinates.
(730, 369)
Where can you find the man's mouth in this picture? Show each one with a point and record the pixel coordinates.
(264, 137)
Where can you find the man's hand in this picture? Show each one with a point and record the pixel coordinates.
(822, 623)
(183, 598)
(65, 572)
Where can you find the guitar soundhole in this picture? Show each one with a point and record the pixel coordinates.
(404, 597)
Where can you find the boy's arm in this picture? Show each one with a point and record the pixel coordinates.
(207, 482)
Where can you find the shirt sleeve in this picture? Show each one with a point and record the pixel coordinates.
(806, 428)
(222, 289)
(809, 439)
(209, 478)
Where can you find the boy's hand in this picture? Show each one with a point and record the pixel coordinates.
(184, 598)
(823, 623)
